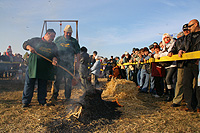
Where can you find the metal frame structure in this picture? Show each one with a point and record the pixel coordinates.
(45, 26)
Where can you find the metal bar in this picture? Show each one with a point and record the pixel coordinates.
(61, 20)
(46, 27)
(77, 30)
(43, 28)
(185, 56)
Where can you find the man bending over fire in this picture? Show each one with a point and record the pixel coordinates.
(38, 68)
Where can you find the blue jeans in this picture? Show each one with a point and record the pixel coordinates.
(138, 76)
(144, 80)
(131, 74)
(152, 88)
(29, 89)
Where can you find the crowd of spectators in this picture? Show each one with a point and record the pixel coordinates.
(166, 79)
(11, 63)
(8, 56)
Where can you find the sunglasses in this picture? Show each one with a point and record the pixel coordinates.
(190, 25)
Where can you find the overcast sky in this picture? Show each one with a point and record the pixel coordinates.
(110, 27)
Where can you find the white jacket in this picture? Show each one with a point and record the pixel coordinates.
(95, 69)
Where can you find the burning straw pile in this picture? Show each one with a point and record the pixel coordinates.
(92, 107)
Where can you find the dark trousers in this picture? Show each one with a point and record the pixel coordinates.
(84, 81)
(191, 92)
(67, 82)
(29, 89)
(159, 86)
(123, 72)
(171, 76)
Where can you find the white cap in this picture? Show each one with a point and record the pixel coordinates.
(68, 28)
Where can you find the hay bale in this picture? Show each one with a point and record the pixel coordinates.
(120, 88)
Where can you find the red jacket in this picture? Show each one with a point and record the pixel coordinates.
(157, 70)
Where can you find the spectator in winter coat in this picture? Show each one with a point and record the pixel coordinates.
(108, 71)
(179, 84)
(83, 68)
(152, 82)
(115, 71)
(139, 59)
(122, 68)
(144, 76)
(95, 71)
(126, 60)
(9, 53)
(171, 68)
(191, 67)
(158, 72)
(93, 58)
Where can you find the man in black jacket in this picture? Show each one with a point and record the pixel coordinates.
(191, 67)
(179, 84)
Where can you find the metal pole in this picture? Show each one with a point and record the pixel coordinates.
(60, 28)
(43, 28)
(46, 27)
(61, 20)
(77, 30)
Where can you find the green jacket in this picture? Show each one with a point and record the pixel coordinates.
(38, 66)
(67, 48)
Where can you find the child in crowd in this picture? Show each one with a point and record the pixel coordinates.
(115, 71)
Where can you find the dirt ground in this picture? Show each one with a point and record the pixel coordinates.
(140, 112)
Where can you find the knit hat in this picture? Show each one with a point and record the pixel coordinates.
(166, 35)
(68, 28)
